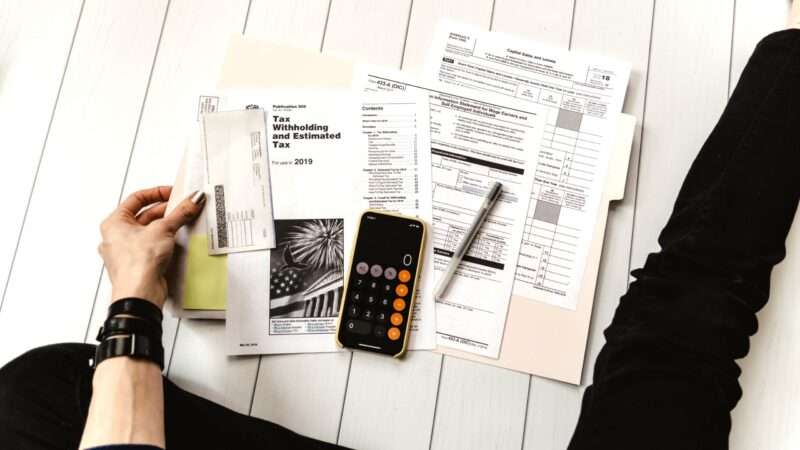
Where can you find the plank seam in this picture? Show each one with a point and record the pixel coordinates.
(247, 15)
(255, 383)
(325, 27)
(436, 403)
(405, 41)
(132, 149)
(344, 398)
(572, 23)
(41, 156)
(730, 59)
(527, 408)
(640, 150)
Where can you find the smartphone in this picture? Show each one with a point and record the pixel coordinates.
(376, 311)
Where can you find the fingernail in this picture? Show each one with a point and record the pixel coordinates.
(198, 196)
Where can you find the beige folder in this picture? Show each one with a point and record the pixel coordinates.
(539, 339)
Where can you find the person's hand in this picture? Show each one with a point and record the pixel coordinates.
(137, 243)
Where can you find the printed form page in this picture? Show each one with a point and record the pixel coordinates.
(396, 177)
(583, 97)
(473, 143)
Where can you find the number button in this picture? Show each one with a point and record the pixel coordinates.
(373, 284)
(401, 290)
(404, 276)
(353, 311)
(393, 333)
(380, 317)
(384, 302)
(396, 319)
(387, 288)
(368, 314)
(356, 297)
(371, 299)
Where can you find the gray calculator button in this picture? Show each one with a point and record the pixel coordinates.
(362, 268)
(376, 270)
(390, 273)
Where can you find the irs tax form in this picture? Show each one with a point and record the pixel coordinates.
(474, 141)
(583, 97)
(287, 300)
(396, 177)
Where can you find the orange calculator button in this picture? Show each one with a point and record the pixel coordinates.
(396, 319)
(401, 290)
(404, 276)
(393, 333)
(399, 304)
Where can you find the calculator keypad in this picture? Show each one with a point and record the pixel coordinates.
(379, 296)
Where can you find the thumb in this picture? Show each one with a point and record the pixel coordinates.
(185, 212)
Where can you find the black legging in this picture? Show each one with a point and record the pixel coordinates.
(666, 378)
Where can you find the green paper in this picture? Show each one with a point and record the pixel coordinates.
(206, 281)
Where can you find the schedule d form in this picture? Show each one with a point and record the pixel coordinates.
(473, 142)
(582, 97)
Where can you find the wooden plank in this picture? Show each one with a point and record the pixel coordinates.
(686, 93)
(187, 66)
(425, 16)
(56, 270)
(200, 365)
(763, 418)
(296, 24)
(409, 385)
(553, 409)
(302, 392)
(752, 21)
(541, 20)
(619, 29)
(33, 55)
(367, 30)
(390, 403)
(479, 407)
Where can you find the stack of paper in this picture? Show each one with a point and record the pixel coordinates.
(489, 108)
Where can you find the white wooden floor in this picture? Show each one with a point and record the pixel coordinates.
(93, 98)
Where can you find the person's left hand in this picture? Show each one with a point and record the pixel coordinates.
(137, 243)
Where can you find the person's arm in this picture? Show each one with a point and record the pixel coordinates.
(127, 405)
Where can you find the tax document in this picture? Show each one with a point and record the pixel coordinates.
(582, 97)
(237, 172)
(396, 177)
(286, 300)
(474, 142)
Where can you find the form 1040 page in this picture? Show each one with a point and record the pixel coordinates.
(582, 97)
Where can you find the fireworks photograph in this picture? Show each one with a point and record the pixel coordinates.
(306, 268)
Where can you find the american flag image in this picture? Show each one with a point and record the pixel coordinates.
(306, 270)
(289, 297)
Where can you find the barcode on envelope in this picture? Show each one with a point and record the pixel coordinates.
(221, 213)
